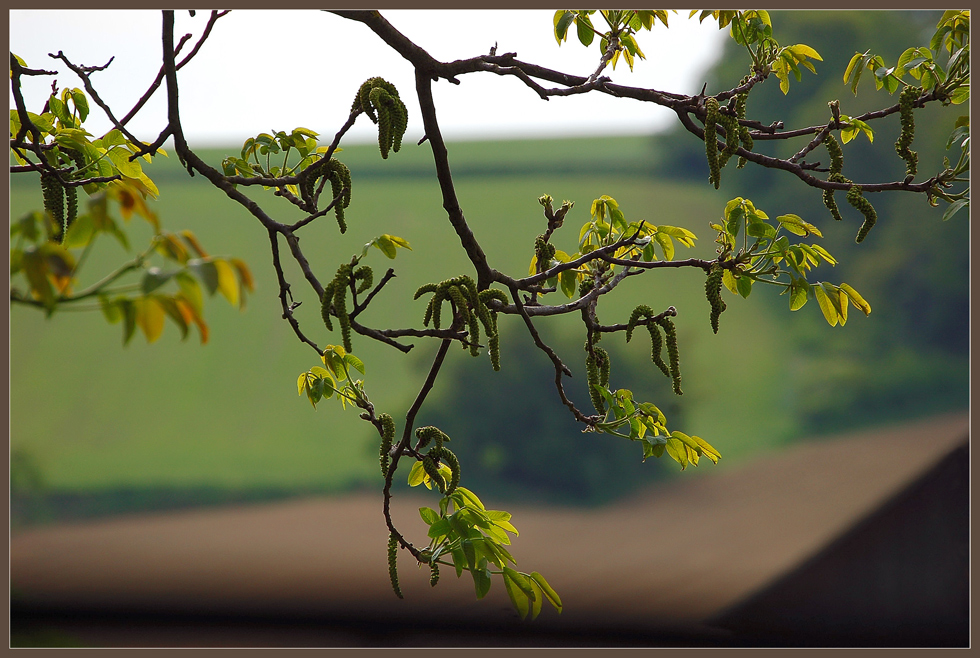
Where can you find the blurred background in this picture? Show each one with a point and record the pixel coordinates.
(98, 429)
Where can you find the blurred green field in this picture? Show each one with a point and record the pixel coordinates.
(94, 415)
(214, 422)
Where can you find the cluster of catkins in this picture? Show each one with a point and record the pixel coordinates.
(735, 134)
(670, 334)
(339, 176)
(379, 99)
(855, 196)
(439, 452)
(472, 308)
(334, 299)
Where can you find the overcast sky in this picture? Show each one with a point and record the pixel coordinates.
(276, 70)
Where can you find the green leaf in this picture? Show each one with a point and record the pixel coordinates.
(81, 103)
(428, 515)
(550, 593)
(568, 279)
(744, 285)
(416, 475)
(585, 31)
(707, 450)
(675, 448)
(439, 527)
(563, 19)
(856, 299)
(518, 596)
(728, 279)
(537, 600)
(206, 272)
(154, 278)
(826, 306)
(666, 244)
(386, 246)
(797, 294)
(472, 500)
(760, 230)
(955, 207)
(481, 580)
(824, 254)
(80, 232)
(354, 362)
(60, 110)
(120, 158)
(129, 319)
(110, 310)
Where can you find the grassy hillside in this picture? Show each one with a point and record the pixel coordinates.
(93, 417)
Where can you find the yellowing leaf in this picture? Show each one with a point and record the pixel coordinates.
(149, 318)
(192, 240)
(227, 283)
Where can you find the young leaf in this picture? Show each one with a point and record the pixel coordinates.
(518, 596)
(481, 579)
(149, 317)
(416, 475)
(551, 594)
(856, 299)
(826, 306)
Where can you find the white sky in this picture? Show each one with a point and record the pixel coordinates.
(276, 70)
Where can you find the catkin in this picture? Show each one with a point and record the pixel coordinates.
(428, 287)
(340, 181)
(905, 103)
(594, 379)
(602, 357)
(731, 138)
(656, 348)
(326, 304)
(639, 311)
(446, 455)
(670, 334)
(53, 193)
(544, 252)
(393, 564)
(387, 438)
(712, 290)
(429, 464)
(366, 276)
(433, 573)
(836, 164)
(341, 282)
(462, 308)
(743, 132)
(656, 342)
(430, 433)
(856, 199)
(711, 140)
